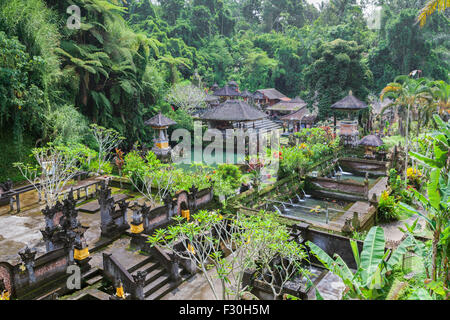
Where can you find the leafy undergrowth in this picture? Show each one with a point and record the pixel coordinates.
(11, 153)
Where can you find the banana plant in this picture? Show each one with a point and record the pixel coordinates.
(436, 204)
(372, 264)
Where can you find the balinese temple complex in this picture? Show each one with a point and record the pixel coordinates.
(270, 102)
(160, 124)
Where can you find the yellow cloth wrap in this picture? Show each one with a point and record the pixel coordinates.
(137, 229)
(120, 293)
(81, 254)
(5, 295)
(162, 145)
(186, 214)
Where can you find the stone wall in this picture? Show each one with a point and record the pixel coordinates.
(161, 216)
(330, 243)
(373, 167)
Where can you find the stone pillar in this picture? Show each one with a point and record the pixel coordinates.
(366, 186)
(139, 280)
(168, 202)
(123, 205)
(194, 192)
(137, 225)
(355, 221)
(28, 256)
(81, 252)
(106, 207)
(47, 235)
(175, 269)
(48, 215)
(69, 239)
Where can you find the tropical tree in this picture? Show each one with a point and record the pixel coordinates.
(436, 203)
(54, 167)
(406, 92)
(232, 244)
(430, 8)
(187, 97)
(441, 94)
(107, 140)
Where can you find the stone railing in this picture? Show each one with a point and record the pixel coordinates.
(116, 273)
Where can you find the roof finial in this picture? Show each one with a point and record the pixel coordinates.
(350, 93)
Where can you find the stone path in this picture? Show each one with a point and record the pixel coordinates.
(120, 250)
(362, 208)
(392, 233)
(94, 206)
(378, 188)
(22, 229)
(331, 287)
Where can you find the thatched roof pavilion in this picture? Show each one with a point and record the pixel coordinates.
(349, 103)
(302, 115)
(246, 94)
(161, 146)
(234, 111)
(227, 92)
(371, 141)
(288, 106)
(160, 121)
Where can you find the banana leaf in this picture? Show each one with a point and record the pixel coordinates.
(373, 252)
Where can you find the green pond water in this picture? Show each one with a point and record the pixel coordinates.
(303, 211)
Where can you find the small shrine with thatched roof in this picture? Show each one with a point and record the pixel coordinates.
(371, 142)
(349, 130)
(160, 124)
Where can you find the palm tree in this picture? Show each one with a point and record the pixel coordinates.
(174, 63)
(441, 93)
(407, 93)
(430, 8)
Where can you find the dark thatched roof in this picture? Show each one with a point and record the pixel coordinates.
(160, 121)
(272, 94)
(302, 115)
(371, 141)
(210, 98)
(246, 94)
(233, 83)
(258, 96)
(233, 110)
(289, 106)
(227, 91)
(350, 102)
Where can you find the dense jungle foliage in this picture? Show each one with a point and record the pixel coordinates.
(116, 69)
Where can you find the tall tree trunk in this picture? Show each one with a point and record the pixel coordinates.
(407, 146)
(436, 237)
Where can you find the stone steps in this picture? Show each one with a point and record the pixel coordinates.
(158, 294)
(157, 280)
(155, 285)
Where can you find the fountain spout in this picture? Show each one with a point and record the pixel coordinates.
(306, 195)
(300, 199)
(278, 210)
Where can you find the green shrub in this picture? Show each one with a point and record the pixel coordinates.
(387, 208)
